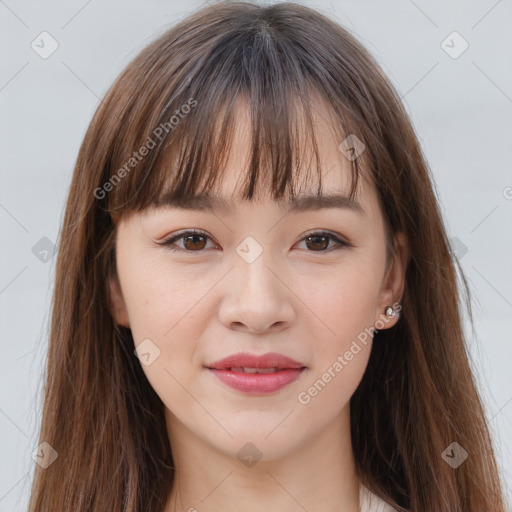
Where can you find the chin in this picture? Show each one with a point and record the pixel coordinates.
(263, 440)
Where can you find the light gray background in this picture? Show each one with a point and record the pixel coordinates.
(461, 108)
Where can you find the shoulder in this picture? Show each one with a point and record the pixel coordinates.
(370, 502)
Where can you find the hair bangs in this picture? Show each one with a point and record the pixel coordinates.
(192, 118)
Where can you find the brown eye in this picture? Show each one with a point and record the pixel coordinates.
(317, 242)
(194, 242)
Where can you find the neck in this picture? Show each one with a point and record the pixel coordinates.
(317, 476)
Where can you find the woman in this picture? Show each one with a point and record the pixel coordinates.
(232, 330)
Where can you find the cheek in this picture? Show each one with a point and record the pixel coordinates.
(344, 307)
(344, 300)
(340, 354)
(161, 300)
(165, 307)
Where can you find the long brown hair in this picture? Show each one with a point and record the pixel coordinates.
(418, 395)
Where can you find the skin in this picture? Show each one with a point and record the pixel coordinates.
(198, 307)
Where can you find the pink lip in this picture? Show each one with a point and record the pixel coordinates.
(289, 370)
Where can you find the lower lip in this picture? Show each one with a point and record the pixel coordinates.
(257, 383)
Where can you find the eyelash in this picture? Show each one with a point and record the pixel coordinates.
(340, 244)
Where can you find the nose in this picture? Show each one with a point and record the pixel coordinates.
(257, 298)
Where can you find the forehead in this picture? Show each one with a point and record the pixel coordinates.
(335, 169)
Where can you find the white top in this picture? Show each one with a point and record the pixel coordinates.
(370, 502)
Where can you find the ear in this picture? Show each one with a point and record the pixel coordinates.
(117, 304)
(393, 283)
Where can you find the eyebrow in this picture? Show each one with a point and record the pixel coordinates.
(298, 204)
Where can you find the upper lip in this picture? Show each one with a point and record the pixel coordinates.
(270, 360)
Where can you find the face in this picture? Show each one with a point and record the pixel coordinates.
(259, 278)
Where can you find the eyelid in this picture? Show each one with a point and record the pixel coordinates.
(324, 232)
(166, 242)
(338, 239)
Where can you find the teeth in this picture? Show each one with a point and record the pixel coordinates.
(254, 370)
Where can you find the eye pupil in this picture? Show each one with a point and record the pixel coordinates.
(316, 239)
(194, 237)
